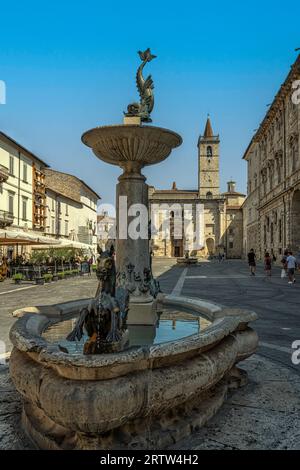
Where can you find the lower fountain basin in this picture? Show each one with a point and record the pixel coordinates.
(147, 396)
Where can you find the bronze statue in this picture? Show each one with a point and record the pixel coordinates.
(145, 88)
(105, 318)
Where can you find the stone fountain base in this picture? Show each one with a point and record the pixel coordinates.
(148, 433)
(142, 398)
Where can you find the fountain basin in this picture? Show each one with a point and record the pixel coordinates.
(186, 261)
(132, 146)
(143, 397)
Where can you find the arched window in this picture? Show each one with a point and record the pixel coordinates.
(209, 151)
(209, 195)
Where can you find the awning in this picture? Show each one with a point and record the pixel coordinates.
(65, 243)
(75, 244)
(18, 237)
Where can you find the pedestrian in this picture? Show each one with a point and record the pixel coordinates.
(220, 257)
(251, 262)
(284, 264)
(268, 264)
(291, 266)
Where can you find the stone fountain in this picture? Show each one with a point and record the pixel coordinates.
(112, 395)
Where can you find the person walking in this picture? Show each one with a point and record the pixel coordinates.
(291, 266)
(252, 262)
(268, 264)
(284, 264)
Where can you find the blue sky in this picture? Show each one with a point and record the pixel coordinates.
(70, 66)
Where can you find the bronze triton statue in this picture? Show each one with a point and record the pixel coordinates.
(145, 88)
(104, 320)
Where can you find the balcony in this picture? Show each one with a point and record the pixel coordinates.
(6, 218)
(4, 174)
(39, 191)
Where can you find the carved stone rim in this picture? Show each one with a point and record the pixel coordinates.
(26, 336)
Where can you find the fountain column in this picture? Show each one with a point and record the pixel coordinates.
(130, 191)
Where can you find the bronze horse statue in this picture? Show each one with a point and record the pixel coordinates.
(104, 320)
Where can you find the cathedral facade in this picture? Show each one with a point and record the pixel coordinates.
(203, 221)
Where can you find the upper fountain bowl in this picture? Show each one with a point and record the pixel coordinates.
(131, 145)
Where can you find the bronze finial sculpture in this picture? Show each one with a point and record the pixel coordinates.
(145, 88)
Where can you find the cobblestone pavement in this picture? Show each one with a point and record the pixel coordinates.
(264, 413)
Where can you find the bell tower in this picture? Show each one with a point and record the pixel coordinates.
(208, 163)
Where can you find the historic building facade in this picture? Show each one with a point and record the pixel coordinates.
(22, 192)
(71, 208)
(212, 218)
(271, 211)
(37, 202)
(106, 230)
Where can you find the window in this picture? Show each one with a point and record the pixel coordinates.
(271, 178)
(209, 151)
(231, 231)
(53, 205)
(24, 208)
(280, 231)
(278, 172)
(66, 228)
(210, 228)
(11, 165)
(11, 202)
(209, 195)
(230, 244)
(59, 207)
(25, 173)
(53, 225)
(272, 232)
(67, 209)
(58, 227)
(293, 152)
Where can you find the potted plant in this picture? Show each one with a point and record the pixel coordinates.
(48, 277)
(38, 257)
(18, 277)
(61, 275)
(39, 280)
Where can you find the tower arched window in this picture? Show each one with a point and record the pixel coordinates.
(209, 151)
(209, 195)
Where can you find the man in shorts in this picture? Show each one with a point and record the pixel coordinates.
(291, 266)
(251, 262)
